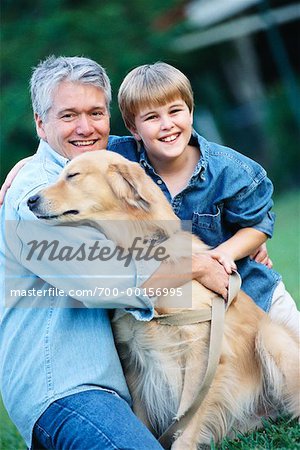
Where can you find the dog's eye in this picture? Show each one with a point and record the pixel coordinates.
(72, 175)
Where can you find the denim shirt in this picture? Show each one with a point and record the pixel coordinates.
(227, 191)
(52, 345)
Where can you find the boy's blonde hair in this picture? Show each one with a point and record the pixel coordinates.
(152, 85)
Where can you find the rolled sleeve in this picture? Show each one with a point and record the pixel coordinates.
(251, 206)
(144, 271)
(267, 224)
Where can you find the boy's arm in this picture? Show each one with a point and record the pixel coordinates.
(261, 255)
(11, 176)
(244, 242)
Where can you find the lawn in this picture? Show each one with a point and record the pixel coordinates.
(284, 247)
(284, 250)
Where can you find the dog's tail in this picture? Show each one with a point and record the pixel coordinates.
(278, 350)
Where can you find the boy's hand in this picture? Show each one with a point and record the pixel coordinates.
(11, 176)
(224, 259)
(260, 255)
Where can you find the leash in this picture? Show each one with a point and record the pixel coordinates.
(217, 317)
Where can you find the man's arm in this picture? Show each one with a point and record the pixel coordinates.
(11, 176)
(202, 267)
(68, 259)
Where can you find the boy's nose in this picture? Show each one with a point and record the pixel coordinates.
(166, 123)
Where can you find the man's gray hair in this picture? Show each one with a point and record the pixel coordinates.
(53, 70)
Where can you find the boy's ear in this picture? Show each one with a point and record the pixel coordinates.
(39, 125)
(135, 134)
(192, 116)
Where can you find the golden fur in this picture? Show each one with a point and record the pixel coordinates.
(258, 370)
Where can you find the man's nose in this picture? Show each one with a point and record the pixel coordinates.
(84, 125)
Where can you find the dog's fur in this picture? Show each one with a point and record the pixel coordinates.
(258, 370)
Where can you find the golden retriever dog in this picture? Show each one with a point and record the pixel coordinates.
(257, 374)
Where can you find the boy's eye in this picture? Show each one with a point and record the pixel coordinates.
(176, 110)
(153, 116)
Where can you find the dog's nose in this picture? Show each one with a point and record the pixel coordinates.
(33, 202)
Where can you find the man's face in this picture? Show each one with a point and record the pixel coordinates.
(78, 120)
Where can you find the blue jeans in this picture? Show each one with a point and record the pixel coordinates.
(91, 420)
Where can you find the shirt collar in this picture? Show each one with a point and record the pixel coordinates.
(47, 152)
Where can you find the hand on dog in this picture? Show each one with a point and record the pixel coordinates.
(224, 259)
(201, 267)
(213, 274)
(260, 255)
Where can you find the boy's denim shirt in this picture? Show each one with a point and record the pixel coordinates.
(226, 192)
(53, 346)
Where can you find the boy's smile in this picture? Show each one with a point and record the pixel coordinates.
(165, 131)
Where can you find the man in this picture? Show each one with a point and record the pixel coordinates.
(61, 378)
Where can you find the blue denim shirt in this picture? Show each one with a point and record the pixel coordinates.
(226, 192)
(51, 345)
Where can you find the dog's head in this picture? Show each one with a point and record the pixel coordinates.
(97, 184)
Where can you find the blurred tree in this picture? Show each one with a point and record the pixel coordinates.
(119, 35)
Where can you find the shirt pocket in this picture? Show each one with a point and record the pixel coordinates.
(208, 227)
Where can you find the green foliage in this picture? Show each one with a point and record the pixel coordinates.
(285, 136)
(120, 35)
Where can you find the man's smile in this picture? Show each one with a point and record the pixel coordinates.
(84, 143)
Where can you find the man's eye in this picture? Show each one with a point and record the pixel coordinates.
(68, 117)
(98, 114)
(72, 175)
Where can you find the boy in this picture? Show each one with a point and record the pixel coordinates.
(226, 195)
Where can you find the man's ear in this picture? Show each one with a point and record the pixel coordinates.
(39, 125)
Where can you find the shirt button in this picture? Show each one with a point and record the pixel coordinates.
(159, 182)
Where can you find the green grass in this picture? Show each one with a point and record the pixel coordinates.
(283, 434)
(284, 247)
(284, 250)
(10, 439)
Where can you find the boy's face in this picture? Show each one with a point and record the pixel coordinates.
(78, 120)
(165, 130)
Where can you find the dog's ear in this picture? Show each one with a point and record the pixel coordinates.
(128, 183)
